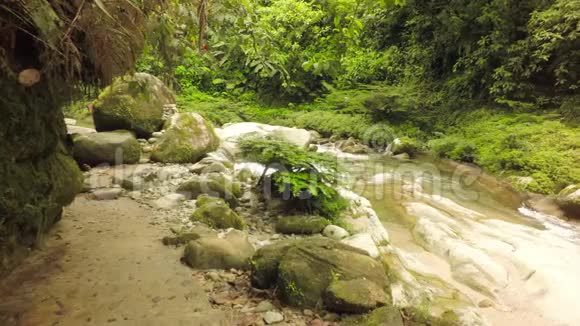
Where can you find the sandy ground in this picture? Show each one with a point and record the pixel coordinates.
(104, 264)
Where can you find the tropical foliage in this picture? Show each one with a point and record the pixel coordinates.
(79, 40)
(306, 179)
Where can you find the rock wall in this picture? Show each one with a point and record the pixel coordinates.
(38, 176)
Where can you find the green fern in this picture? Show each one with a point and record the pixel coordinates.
(309, 179)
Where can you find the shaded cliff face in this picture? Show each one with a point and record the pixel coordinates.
(37, 174)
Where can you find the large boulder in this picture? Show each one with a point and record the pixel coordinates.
(117, 147)
(215, 185)
(188, 139)
(304, 269)
(132, 103)
(232, 251)
(569, 200)
(216, 213)
(301, 224)
(231, 134)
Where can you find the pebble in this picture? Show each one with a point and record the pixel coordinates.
(275, 236)
(308, 312)
(317, 322)
(485, 303)
(214, 276)
(264, 306)
(246, 309)
(273, 317)
(157, 134)
(169, 202)
(331, 317)
(107, 194)
(152, 140)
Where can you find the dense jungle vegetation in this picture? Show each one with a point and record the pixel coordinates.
(493, 82)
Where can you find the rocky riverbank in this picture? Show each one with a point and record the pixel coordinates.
(250, 254)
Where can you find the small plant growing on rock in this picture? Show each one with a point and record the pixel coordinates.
(306, 179)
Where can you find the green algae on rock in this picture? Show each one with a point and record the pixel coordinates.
(233, 251)
(132, 103)
(216, 213)
(187, 139)
(304, 269)
(301, 224)
(38, 175)
(214, 185)
(354, 296)
(383, 316)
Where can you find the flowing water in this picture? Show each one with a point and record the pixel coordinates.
(519, 266)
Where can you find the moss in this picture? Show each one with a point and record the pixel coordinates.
(354, 296)
(38, 175)
(265, 264)
(216, 213)
(187, 141)
(215, 185)
(205, 199)
(423, 315)
(301, 224)
(406, 145)
(310, 265)
(383, 316)
(132, 103)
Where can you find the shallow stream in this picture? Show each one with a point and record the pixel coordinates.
(518, 266)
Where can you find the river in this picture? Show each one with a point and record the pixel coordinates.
(448, 226)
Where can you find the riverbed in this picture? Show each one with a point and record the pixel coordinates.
(517, 265)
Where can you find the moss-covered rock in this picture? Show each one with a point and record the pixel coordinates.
(405, 145)
(266, 261)
(116, 147)
(301, 224)
(187, 139)
(423, 315)
(304, 269)
(132, 103)
(383, 316)
(354, 296)
(233, 251)
(214, 185)
(216, 213)
(38, 174)
(569, 200)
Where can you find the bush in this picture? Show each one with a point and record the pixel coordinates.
(453, 147)
(541, 147)
(306, 179)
